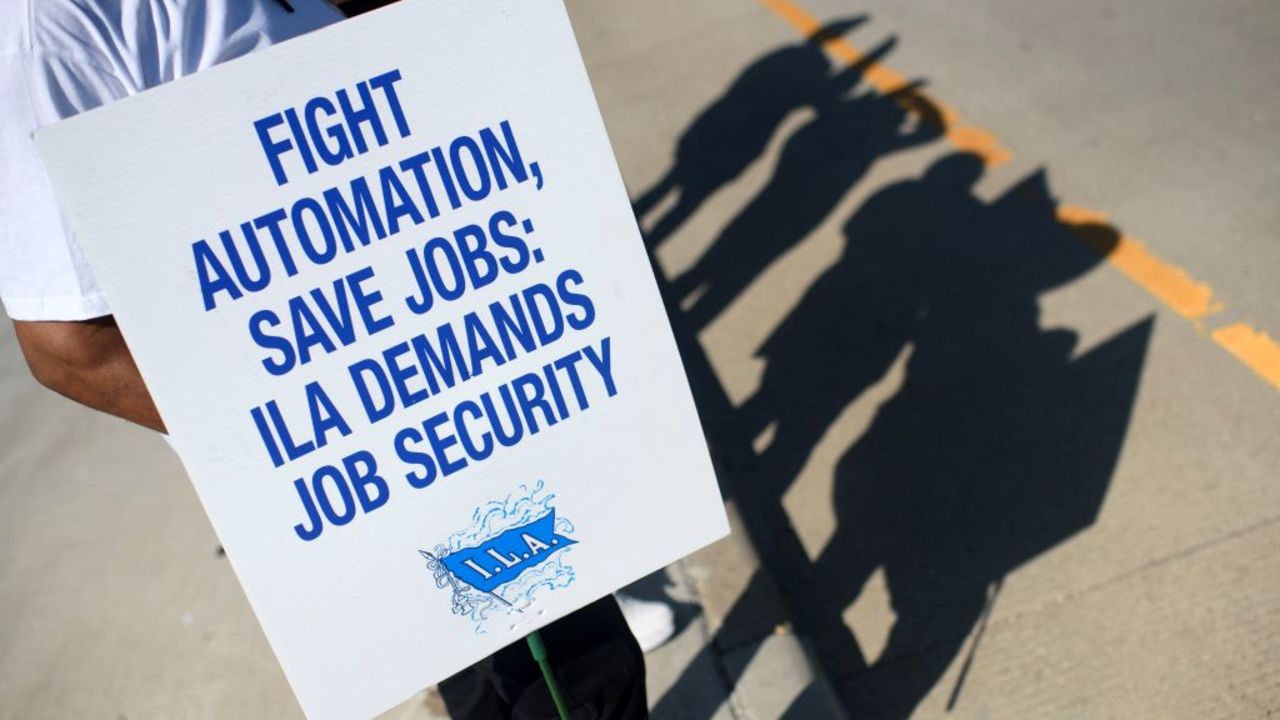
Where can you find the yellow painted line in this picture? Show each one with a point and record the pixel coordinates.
(959, 133)
(1252, 347)
(1171, 285)
(1168, 283)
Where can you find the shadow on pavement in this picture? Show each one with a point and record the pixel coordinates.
(732, 131)
(1000, 442)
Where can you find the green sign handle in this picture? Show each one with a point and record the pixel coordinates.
(539, 652)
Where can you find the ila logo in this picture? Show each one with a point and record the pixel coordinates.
(513, 548)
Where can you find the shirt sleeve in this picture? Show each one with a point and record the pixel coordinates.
(43, 275)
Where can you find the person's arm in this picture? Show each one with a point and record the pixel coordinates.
(88, 362)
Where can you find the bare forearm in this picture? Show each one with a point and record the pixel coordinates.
(89, 362)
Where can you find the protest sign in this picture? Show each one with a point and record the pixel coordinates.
(385, 286)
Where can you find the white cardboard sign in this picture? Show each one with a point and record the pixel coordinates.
(386, 288)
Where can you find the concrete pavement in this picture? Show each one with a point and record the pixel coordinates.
(993, 465)
(1152, 599)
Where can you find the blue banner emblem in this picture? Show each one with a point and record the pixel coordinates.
(502, 558)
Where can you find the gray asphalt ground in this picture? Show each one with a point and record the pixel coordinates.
(975, 468)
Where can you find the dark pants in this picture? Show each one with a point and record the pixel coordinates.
(597, 664)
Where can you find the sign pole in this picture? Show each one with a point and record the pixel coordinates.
(536, 648)
(539, 652)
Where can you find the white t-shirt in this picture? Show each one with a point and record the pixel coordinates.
(62, 57)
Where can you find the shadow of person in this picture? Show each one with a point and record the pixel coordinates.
(733, 130)
(999, 445)
(817, 166)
